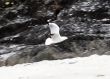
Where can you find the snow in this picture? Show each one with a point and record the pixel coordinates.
(17, 47)
(92, 67)
(2, 51)
(13, 46)
(5, 56)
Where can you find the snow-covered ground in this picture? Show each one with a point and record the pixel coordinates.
(93, 67)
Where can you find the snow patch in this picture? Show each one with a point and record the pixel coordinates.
(5, 56)
(93, 67)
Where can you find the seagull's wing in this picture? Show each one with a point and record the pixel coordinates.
(54, 28)
(48, 41)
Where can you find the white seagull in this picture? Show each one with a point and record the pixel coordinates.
(55, 35)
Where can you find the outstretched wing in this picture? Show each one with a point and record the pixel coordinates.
(48, 41)
(54, 28)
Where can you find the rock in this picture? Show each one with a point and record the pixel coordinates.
(23, 29)
(67, 49)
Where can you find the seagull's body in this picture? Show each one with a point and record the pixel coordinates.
(55, 35)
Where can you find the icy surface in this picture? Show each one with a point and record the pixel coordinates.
(93, 67)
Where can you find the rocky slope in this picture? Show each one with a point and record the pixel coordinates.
(23, 29)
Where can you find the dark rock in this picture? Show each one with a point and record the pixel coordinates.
(67, 49)
(23, 29)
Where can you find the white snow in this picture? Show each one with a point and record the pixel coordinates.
(5, 56)
(17, 47)
(2, 51)
(93, 67)
(13, 46)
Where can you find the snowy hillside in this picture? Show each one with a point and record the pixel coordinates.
(93, 67)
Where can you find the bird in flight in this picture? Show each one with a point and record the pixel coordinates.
(55, 35)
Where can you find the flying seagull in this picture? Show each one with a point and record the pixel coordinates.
(55, 35)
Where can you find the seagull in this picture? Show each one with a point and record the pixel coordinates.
(55, 35)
